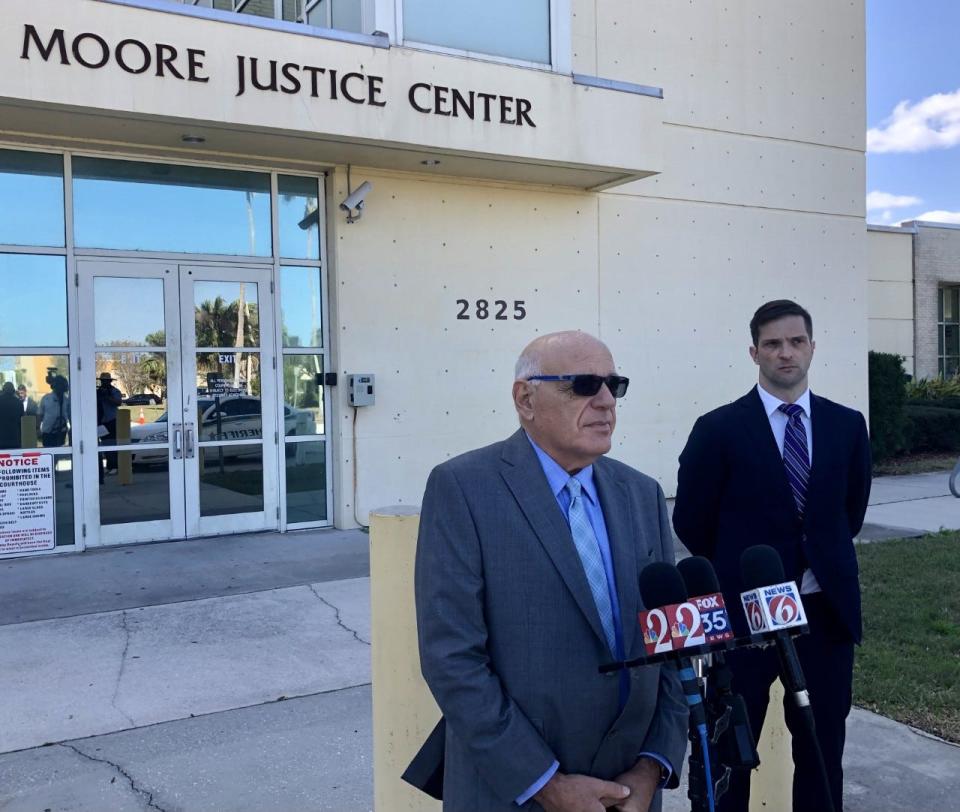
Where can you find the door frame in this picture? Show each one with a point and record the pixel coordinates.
(100, 535)
(197, 525)
(179, 525)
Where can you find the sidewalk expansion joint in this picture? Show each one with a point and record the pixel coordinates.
(145, 794)
(340, 622)
(123, 666)
(909, 499)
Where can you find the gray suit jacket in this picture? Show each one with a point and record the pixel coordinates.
(510, 638)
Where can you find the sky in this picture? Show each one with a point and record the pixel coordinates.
(913, 111)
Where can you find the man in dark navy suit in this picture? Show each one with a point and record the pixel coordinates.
(784, 467)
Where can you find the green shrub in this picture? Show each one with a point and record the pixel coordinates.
(933, 429)
(949, 402)
(888, 421)
(934, 389)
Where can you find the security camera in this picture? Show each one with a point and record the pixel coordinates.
(355, 200)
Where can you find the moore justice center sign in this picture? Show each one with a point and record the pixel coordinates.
(259, 75)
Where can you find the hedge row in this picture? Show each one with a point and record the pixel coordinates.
(932, 429)
(935, 403)
(923, 417)
(888, 397)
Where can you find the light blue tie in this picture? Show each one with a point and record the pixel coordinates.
(586, 542)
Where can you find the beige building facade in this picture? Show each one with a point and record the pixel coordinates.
(649, 172)
(914, 282)
(891, 307)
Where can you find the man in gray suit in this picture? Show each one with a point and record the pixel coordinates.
(527, 570)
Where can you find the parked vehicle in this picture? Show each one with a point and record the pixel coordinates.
(145, 399)
(237, 417)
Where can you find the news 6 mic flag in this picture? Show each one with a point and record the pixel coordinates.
(773, 608)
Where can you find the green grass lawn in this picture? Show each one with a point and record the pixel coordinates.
(914, 464)
(908, 667)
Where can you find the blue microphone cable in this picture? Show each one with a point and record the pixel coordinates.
(698, 717)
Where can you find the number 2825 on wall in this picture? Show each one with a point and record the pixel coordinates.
(498, 310)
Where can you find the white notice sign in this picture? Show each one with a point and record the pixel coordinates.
(26, 503)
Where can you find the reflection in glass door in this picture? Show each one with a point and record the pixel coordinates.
(229, 412)
(173, 372)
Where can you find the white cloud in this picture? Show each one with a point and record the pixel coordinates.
(931, 123)
(885, 200)
(938, 216)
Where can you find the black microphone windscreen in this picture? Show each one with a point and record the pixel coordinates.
(661, 585)
(760, 565)
(698, 575)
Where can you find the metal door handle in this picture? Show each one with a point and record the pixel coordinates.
(190, 449)
(177, 441)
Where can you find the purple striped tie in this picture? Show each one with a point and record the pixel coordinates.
(796, 459)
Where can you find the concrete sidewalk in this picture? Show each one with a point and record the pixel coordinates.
(912, 505)
(233, 673)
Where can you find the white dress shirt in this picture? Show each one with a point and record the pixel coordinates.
(778, 424)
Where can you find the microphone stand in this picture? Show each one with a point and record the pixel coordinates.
(731, 738)
(727, 721)
(796, 685)
(697, 790)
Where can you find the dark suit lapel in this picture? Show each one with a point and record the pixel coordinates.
(622, 532)
(820, 420)
(524, 477)
(764, 444)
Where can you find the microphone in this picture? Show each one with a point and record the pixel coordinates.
(773, 605)
(672, 624)
(736, 745)
(704, 591)
(672, 618)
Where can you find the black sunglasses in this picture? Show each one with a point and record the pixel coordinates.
(587, 386)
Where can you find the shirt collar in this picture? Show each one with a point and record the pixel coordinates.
(557, 477)
(771, 402)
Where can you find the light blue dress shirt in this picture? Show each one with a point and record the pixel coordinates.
(557, 479)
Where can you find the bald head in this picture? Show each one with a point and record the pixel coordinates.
(555, 348)
(573, 429)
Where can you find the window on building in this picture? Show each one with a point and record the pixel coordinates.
(343, 15)
(223, 5)
(135, 206)
(517, 30)
(948, 331)
(31, 198)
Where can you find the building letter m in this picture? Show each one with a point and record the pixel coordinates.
(56, 39)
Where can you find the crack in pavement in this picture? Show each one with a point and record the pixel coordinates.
(340, 623)
(908, 499)
(145, 794)
(123, 665)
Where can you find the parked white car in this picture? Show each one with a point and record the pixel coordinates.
(238, 417)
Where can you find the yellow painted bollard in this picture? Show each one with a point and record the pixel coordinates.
(124, 462)
(771, 788)
(404, 712)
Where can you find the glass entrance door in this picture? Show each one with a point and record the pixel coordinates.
(178, 367)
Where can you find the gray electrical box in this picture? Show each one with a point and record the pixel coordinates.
(361, 389)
